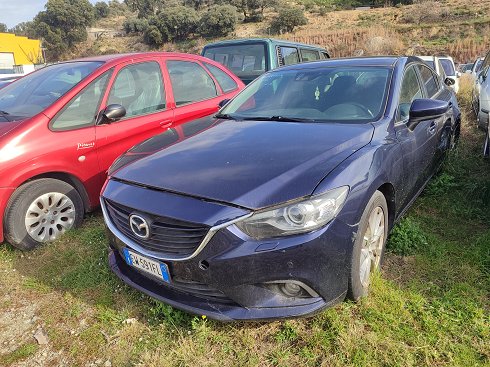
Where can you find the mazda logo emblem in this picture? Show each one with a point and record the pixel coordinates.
(139, 226)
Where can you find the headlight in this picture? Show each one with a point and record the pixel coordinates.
(303, 216)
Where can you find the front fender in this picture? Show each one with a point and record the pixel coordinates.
(364, 172)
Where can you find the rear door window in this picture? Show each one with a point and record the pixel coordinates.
(225, 81)
(309, 55)
(139, 89)
(190, 82)
(287, 55)
(430, 82)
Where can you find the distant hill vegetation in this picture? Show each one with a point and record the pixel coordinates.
(456, 27)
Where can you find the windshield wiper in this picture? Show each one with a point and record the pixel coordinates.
(224, 116)
(278, 118)
(4, 113)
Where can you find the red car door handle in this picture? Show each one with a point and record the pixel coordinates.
(165, 123)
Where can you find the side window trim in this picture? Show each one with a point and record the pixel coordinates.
(110, 74)
(113, 79)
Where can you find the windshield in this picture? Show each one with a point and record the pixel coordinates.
(448, 67)
(247, 61)
(328, 94)
(35, 92)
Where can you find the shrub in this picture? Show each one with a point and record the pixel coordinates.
(218, 21)
(153, 37)
(406, 237)
(425, 11)
(178, 22)
(287, 20)
(135, 25)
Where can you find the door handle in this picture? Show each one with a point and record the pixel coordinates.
(165, 123)
(432, 128)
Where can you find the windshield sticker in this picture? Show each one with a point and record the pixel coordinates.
(317, 94)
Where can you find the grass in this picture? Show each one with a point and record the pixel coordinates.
(21, 353)
(429, 307)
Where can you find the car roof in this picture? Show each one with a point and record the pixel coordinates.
(272, 40)
(135, 55)
(427, 58)
(387, 61)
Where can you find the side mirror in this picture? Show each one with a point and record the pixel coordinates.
(426, 109)
(223, 102)
(111, 113)
(449, 82)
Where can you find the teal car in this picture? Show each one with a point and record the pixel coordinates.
(250, 57)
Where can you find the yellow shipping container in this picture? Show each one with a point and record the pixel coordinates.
(19, 50)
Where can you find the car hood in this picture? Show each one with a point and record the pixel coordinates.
(252, 164)
(6, 125)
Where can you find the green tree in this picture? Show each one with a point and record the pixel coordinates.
(101, 9)
(24, 29)
(287, 20)
(176, 23)
(145, 8)
(218, 21)
(3, 27)
(252, 10)
(62, 24)
(136, 25)
(153, 37)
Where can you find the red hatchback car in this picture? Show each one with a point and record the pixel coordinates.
(61, 127)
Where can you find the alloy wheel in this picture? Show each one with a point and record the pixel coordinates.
(49, 216)
(372, 245)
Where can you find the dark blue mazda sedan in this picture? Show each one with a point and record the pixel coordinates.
(280, 205)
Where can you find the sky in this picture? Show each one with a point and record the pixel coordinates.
(13, 12)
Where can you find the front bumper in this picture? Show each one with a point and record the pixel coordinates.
(198, 306)
(5, 194)
(235, 283)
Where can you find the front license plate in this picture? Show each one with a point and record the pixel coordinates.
(149, 266)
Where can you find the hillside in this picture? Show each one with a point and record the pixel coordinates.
(455, 27)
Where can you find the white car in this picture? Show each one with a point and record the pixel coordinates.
(435, 63)
(448, 65)
(476, 67)
(481, 94)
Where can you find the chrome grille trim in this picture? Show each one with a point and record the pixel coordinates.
(156, 255)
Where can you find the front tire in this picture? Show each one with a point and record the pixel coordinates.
(369, 246)
(41, 211)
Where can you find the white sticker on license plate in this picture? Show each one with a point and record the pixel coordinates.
(152, 267)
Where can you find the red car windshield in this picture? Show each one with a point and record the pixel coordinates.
(35, 92)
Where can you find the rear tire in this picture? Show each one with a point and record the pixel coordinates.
(41, 211)
(369, 246)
